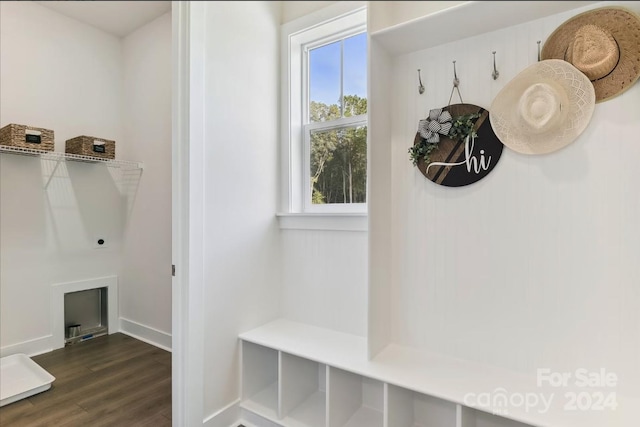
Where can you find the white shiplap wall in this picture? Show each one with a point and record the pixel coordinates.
(536, 265)
(241, 260)
(324, 279)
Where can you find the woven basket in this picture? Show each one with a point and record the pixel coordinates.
(23, 136)
(91, 146)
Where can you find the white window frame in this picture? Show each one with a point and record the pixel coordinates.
(330, 24)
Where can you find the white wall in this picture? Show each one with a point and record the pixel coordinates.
(295, 9)
(383, 14)
(324, 279)
(324, 272)
(534, 266)
(241, 235)
(66, 76)
(60, 74)
(78, 80)
(145, 293)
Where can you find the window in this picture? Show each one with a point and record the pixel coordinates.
(325, 115)
(335, 129)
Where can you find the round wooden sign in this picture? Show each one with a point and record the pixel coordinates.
(459, 163)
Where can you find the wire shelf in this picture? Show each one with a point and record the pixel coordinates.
(58, 157)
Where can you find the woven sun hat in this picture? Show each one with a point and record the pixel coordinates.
(604, 44)
(544, 108)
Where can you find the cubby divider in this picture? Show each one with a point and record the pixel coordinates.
(260, 380)
(469, 417)
(354, 400)
(302, 392)
(406, 408)
(464, 417)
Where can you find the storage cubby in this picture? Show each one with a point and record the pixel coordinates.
(354, 400)
(472, 418)
(406, 408)
(260, 380)
(291, 378)
(302, 392)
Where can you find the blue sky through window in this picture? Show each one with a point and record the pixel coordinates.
(355, 65)
(324, 70)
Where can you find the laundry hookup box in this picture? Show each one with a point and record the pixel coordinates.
(91, 146)
(29, 137)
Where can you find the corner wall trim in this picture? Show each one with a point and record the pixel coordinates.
(31, 348)
(225, 417)
(146, 333)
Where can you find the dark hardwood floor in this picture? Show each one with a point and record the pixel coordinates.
(113, 380)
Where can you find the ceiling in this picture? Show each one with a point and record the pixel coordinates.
(119, 18)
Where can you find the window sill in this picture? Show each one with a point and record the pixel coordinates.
(323, 221)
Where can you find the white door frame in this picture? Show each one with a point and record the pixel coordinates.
(187, 214)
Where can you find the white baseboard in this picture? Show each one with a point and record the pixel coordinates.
(145, 333)
(136, 330)
(31, 348)
(225, 417)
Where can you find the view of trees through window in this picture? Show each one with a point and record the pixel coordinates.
(339, 156)
(337, 90)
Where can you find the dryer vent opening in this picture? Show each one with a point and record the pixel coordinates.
(85, 315)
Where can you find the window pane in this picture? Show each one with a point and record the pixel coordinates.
(324, 83)
(339, 166)
(355, 75)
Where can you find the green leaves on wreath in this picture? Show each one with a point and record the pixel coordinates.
(422, 150)
(461, 127)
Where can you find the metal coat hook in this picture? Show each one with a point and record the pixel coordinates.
(420, 86)
(538, 50)
(495, 74)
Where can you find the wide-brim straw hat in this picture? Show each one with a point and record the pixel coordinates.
(544, 108)
(604, 44)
